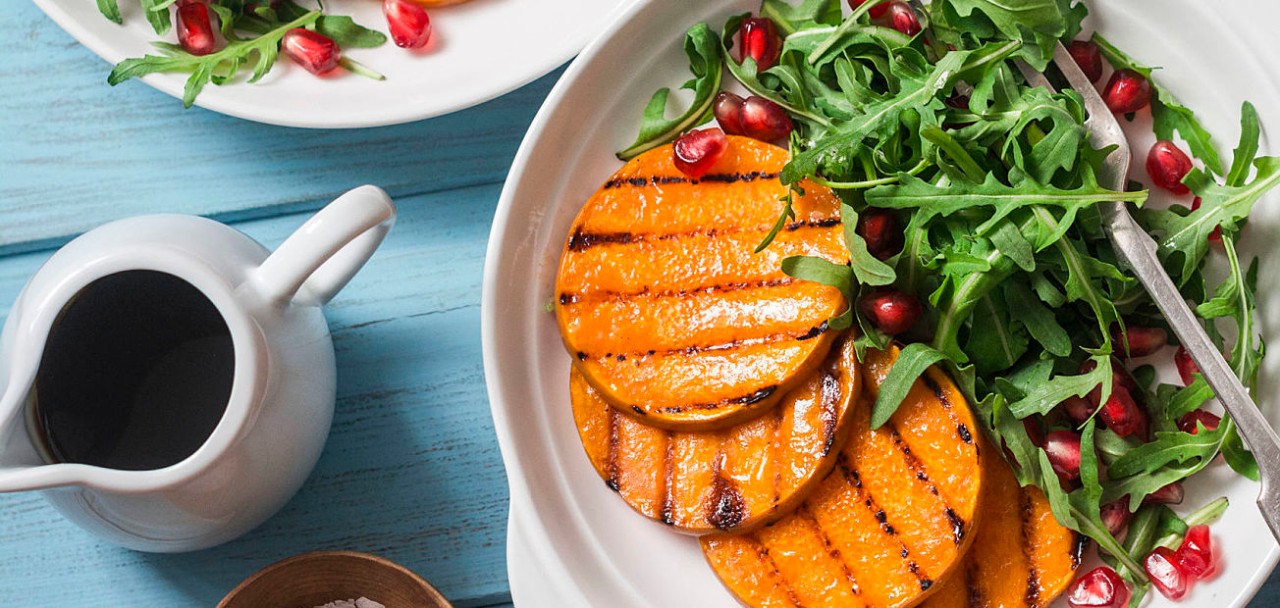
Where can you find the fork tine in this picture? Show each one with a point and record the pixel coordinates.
(1033, 76)
(1101, 123)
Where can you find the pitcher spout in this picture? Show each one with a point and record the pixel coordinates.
(22, 467)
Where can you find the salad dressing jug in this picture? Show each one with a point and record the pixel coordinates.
(168, 382)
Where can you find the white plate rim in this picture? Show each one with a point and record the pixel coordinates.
(549, 583)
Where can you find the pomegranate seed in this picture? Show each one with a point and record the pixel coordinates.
(1127, 91)
(1034, 432)
(1216, 235)
(1167, 165)
(1098, 588)
(195, 33)
(1195, 554)
(1088, 57)
(1140, 341)
(759, 40)
(1187, 367)
(876, 11)
(892, 312)
(1116, 515)
(1119, 377)
(409, 24)
(903, 18)
(1187, 423)
(1171, 494)
(728, 111)
(696, 151)
(764, 120)
(879, 227)
(1063, 448)
(1121, 413)
(1165, 573)
(314, 52)
(1079, 409)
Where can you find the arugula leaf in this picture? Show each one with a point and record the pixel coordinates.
(1247, 149)
(110, 10)
(349, 34)
(931, 200)
(157, 14)
(1039, 321)
(217, 67)
(995, 342)
(847, 137)
(1168, 447)
(1038, 24)
(1046, 395)
(914, 359)
(706, 63)
(867, 269)
(1184, 239)
(807, 15)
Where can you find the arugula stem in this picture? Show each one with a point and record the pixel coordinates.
(870, 183)
(1209, 513)
(355, 67)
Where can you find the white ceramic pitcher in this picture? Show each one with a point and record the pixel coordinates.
(282, 391)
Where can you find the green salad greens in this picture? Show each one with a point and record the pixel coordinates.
(252, 30)
(995, 183)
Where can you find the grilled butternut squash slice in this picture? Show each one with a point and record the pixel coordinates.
(892, 519)
(667, 310)
(730, 480)
(1021, 556)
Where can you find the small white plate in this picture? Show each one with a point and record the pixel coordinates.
(479, 50)
(571, 542)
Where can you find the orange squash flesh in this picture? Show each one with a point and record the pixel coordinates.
(893, 518)
(669, 313)
(1022, 557)
(729, 480)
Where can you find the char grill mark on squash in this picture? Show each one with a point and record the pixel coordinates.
(669, 480)
(831, 549)
(582, 240)
(958, 524)
(657, 180)
(567, 299)
(974, 593)
(726, 507)
(763, 553)
(694, 350)
(611, 465)
(1025, 519)
(851, 475)
(755, 397)
(830, 408)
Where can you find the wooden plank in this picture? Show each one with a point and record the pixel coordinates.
(411, 470)
(77, 152)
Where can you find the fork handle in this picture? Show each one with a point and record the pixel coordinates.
(1137, 250)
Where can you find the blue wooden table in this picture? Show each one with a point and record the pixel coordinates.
(411, 470)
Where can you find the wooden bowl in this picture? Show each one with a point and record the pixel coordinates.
(317, 578)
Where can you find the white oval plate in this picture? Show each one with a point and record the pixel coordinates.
(479, 50)
(571, 541)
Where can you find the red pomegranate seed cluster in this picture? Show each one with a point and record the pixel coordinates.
(1173, 572)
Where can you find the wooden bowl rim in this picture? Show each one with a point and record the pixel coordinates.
(437, 597)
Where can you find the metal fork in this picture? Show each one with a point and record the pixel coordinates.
(1137, 251)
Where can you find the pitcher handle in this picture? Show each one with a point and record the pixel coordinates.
(318, 259)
